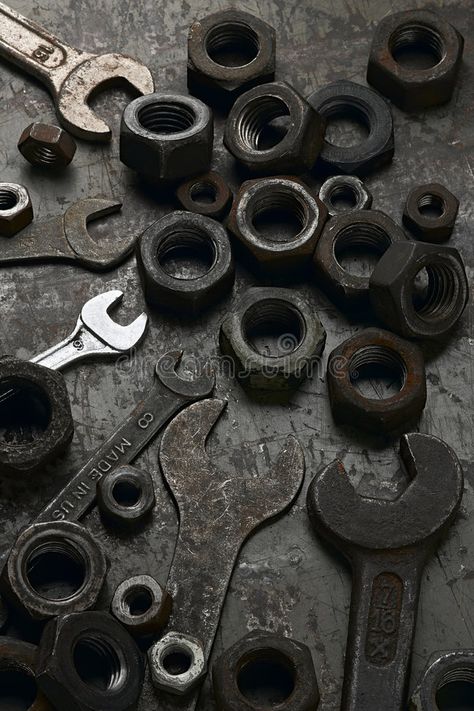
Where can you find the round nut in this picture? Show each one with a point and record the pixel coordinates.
(248, 122)
(141, 605)
(88, 662)
(207, 194)
(281, 665)
(430, 212)
(347, 99)
(167, 136)
(445, 677)
(229, 52)
(189, 235)
(345, 193)
(35, 415)
(301, 338)
(16, 210)
(48, 555)
(177, 663)
(126, 496)
(376, 348)
(415, 88)
(285, 199)
(19, 658)
(47, 146)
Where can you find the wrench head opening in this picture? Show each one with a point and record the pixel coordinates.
(200, 386)
(95, 317)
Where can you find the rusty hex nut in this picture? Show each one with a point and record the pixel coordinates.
(345, 193)
(126, 496)
(45, 145)
(18, 657)
(430, 212)
(207, 194)
(229, 52)
(411, 88)
(141, 605)
(182, 681)
(266, 657)
(16, 211)
(442, 671)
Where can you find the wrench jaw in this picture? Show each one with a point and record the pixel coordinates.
(95, 318)
(200, 387)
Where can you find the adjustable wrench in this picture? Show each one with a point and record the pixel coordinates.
(388, 544)
(71, 75)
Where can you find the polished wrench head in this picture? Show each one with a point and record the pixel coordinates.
(95, 319)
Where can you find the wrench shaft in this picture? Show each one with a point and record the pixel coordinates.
(81, 344)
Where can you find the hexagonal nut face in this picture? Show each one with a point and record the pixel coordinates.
(345, 193)
(229, 52)
(430, 212)
(45, 145)
(207, 194)
(16, 210)
(444, 669)
(434, 80)
(141, 605)
(177, 663)
(20, 657)
(280, 662)
(126, 496)
(167, 136)
(272, 250)
(247, 136)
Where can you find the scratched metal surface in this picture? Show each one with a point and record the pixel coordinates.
(285, 579)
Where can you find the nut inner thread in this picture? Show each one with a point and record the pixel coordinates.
(380, 368)
(98, 663)
(344, 195)
(431, 206)
(349, 121)
(442, 295)
(126, 493)
(255, 118)
(56, 570)
(25, 411)
(177, 659)
(8, 199)
(17, 685)
(166, 118)
(360, 242)
(278, 215)
(187, 254)
(204, 192)
(232, 44)
(273, 328)
(416, 39)
(456, 688)
(138, 600)
(44, 155)
(266, 677)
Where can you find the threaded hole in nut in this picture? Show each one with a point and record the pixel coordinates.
(56, 570)
(126, 493)
(98, 663)
(43, 155)
(278, 216)
(166, 118)
(377, 372)
(344, 197)
(347, 122)
(266, 678)
(25, 411)
(203, 193)
(138, 601)
(417, 47)
(456, 690)
(431, 206)
(273, 328)
(437, 292)
(358, 247)
(232, 44)
(263, 123)
(177, 660)
(187, 254)
(18, 689)
(8, 199)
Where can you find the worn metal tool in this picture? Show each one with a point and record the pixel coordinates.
(388, 544)
(65, 237)
(218, 512)
(71, 75)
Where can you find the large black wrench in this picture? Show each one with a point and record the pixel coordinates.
(387, 544)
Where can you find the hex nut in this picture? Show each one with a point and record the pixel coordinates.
(207, 194)
(345, 193)
(192, 235)
(248, 121)
(229, 52)
(301, 341)
(16, 210)
(276, 254)
(19, 657)
(368, 348)
(442, 670)
(167, 136)
(412, 89)
(252, 655)
(72, 550)
(346, 99)
(141, 605)
(178, 681)
(47, 146)
(429, 227)
(431, 311)
(126, 496)
(72, 645)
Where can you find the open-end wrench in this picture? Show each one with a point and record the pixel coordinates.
(217, 512)
(71, 75)
(388, 544)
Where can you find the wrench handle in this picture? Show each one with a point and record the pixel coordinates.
(81, 344)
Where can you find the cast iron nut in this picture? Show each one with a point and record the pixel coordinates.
(16, 211)
(290, 660)
(428, 227)
(375, 347)
(46, 145)
(126, 496)
(435, 309)
(74, 643)
(191, 234)
(40, 545)
(229, 52)
(42, 391)
(141, 605)
(20, 658)
(365, 229)
(443, 669)
(345, 193)
(207, 194)
(277, 254)
(413, 89)
(296, 152)
(345, 99)
(301, 341)
(181, 682)
(167, 136)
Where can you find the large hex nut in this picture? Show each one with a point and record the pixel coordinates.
(207, 194)
(179, 680)
(126, 496)
(141, 605)
(345, 193)
(345, 99)
(268, 658)
(428, 312)
(29, 389)
(430, 212)
(443, 670)
(47, 146)
(68, 549)
(376, 348)
(77, 648)
(16, 210)
(248, 121)
(411, 88)
(301, 338)
(229, 52)
(167, 136)
(17, 657)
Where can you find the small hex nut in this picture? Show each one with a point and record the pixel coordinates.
(345, 193)
(20, 657)
(167, 137)
(16, 210)
(414, 89)
(126, 496)
(207, 194)
(177, 681)
(47, 146)
(443, 669)
(229, 52)
(290, 660)
(141, 605)
(438, 225)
